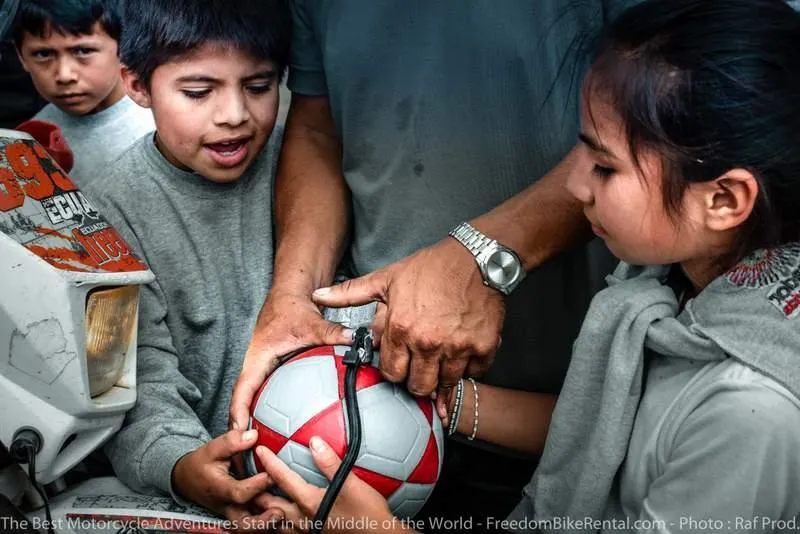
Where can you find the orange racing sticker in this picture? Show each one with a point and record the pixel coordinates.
(43, 210)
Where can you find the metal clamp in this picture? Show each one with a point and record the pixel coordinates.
(361, 353)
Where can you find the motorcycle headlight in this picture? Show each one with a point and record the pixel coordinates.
(110, 328)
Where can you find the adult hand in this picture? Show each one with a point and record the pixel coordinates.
(441, 319)
(203, 476)
(286, 324)
(358, 507)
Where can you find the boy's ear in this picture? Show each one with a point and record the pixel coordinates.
(135, 87)
(21, 59)
(729, 200)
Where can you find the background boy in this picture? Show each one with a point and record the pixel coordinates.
(194, 199)
(70, 49)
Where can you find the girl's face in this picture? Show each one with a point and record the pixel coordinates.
(624, 202)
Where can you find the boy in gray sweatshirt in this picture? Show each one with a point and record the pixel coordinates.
(70, 50)
(194, 199)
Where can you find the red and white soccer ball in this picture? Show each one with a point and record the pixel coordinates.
(402, 438)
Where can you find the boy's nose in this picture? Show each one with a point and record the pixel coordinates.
(66, 72)
(232, 111)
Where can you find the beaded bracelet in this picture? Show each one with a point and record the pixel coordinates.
(475, 415)
(456, 414)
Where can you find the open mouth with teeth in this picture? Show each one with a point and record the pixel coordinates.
(228, 148)
(229, 153)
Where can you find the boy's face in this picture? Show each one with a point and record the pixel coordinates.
(78, 73)
(214, 109)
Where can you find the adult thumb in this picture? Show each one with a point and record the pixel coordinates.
(325, 457)
(330, 333)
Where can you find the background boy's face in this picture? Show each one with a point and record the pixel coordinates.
(214, 109)
(78, 73)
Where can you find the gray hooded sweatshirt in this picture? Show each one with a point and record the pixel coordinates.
(679, 420)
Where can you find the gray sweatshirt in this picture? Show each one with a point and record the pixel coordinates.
(99, 138)
(680, 419)
(210, 247)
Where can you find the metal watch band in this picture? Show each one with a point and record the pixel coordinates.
(470, 237)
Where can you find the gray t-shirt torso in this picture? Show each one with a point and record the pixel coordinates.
(210, 248)
(99, 138)
(445, 110)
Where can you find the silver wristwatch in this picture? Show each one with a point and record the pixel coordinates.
(500, 266)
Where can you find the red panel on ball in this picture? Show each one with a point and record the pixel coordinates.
(427, 470)
(426, 406)
(268, 438)
(383, 484)
(329, 424)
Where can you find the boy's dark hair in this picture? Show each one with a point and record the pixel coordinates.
(710, 86)
(157, 32)
(74, 17)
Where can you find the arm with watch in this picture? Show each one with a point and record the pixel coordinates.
(445, 303)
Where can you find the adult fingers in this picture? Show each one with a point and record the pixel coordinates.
(477, 366)
(330, 333)
(423, 373)
(355, 291)
(395, 357)
(378, 324)
(452, 369)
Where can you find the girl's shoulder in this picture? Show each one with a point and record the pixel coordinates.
(722, 398)
(718, 429)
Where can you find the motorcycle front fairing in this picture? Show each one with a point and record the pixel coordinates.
(68, 314)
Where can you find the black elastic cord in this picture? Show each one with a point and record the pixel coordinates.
(359, 354)
(24, 447)
(353, 446)
(38, 488)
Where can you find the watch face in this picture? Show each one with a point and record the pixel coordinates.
(502, 268)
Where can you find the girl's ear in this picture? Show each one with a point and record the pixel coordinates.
(135, 87)
(729, 200)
